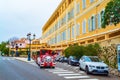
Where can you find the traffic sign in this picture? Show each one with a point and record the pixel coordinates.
(118, 56)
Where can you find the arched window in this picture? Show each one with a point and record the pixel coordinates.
(78, 29)
(73, 32)
(89, 24)
(68, 32)
(93, 23)
(78, 8)
(91, 1)
(83, 4)
(99, 21)
(83, 27)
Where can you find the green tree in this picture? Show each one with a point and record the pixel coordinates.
(92, 49)
(78, 51)
(3, 48)
(112, 13)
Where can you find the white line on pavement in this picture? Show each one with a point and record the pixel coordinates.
(56, 70)
(76, 67)
(63, 72)
(88, 79)
(81, 72)
(76, 77)
(69, 65)
(69, 74)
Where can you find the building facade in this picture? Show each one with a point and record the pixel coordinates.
(20, 44)
(23, 45)
(79, 22)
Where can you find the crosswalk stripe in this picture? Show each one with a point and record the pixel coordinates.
(73, 74)
(89, 79)
(76, 67)
(63, 72)
(81, 72)
(76, 77)
(56, 70)
(69, 74)
(69, 65)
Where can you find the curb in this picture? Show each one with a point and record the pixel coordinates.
(23, 60)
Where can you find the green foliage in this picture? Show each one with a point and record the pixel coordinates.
(92, 49)
(22, 53)
(112, 13)
(78, 51)
(3, 48)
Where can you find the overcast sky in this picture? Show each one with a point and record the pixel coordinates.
(19, 17)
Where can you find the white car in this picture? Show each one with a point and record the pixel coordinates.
(92, 64)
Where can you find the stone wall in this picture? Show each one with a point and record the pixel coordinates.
(108, 53)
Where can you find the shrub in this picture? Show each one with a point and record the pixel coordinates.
(78, 51)
(92, 49)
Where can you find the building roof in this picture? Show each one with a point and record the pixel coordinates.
(52, 16)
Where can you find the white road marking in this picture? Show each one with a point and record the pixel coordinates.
(88, 79)
(69, 74)
(81, 72)
(76, 67)
(69, 65)
(5, 58)
(63, 72)
(57, 70)
(76, 77)
(73, 74)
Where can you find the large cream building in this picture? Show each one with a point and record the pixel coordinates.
(79, 22)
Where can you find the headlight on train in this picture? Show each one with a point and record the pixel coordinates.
(48, 59)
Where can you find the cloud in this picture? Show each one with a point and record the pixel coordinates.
(18, 17)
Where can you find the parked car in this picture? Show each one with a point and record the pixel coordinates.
(57, 59)
(73, 61)
(63, 59)
(92, 64)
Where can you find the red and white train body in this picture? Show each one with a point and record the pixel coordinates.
(46, 58)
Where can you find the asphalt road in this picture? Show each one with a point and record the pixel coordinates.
(11, 69)
(91, 76)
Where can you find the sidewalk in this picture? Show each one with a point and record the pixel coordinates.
(24, 59)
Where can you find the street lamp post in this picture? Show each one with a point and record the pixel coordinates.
(16, 47)
(12, 43)
(29, 51)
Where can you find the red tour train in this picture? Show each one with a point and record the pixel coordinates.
(45, 58)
